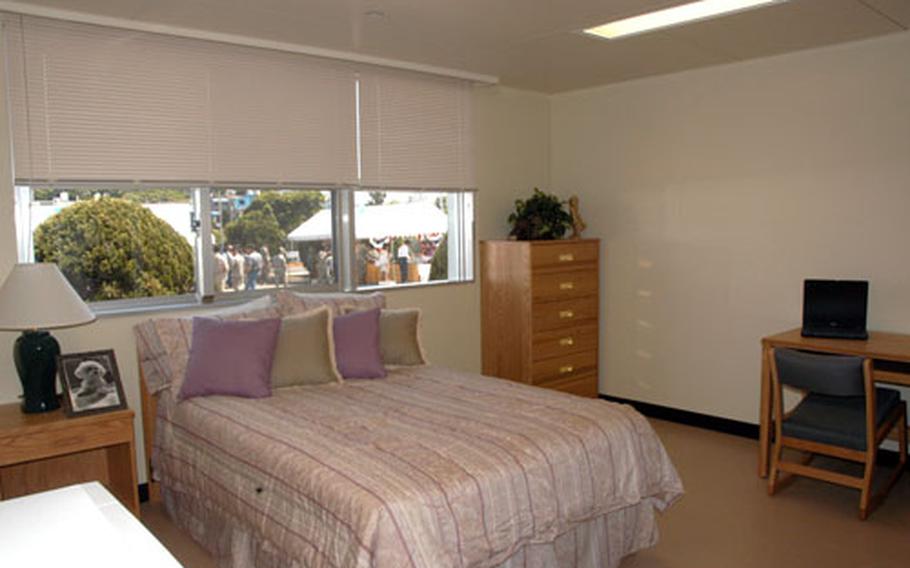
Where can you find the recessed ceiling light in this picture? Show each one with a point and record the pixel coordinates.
(674, 16)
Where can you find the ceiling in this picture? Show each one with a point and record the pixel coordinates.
(530, 44)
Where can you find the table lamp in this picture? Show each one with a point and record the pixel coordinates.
(35, 298)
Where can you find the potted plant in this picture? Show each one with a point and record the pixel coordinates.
(540, 217)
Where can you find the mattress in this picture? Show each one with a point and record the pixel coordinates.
(428, 467)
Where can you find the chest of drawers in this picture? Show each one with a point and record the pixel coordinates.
(540, 312)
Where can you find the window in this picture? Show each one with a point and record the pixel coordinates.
(137, 247)
(111, 244)
(157, 169)
(406, 237)
(258, 243)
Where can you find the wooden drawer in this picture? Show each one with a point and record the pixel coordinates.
(564, 254)
(563, 285)
(563, 367)
(585, 385)
(566, 313)
(49, 442)
(560, 342)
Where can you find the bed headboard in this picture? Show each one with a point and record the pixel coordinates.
(149, 403)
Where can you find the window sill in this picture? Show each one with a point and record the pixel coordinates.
(412, 285)
(153, 306)
(150, 306)
(124, 310)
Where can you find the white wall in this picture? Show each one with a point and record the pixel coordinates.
(718, 191)
(512, 142)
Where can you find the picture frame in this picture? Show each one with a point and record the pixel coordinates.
(90, 382)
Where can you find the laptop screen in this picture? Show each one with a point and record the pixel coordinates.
(835, 305)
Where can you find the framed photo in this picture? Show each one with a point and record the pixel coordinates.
(91, 382)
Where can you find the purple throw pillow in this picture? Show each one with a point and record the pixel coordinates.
(357, 351)
(231, 358)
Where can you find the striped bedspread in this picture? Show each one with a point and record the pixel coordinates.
(426, 468)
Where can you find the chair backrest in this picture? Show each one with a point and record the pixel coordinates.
(836, 375)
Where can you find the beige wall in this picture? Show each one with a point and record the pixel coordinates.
(715, 191)
(512, 140)
(718, 191)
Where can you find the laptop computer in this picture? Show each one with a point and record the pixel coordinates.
(835, 308)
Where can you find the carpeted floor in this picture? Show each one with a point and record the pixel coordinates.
(726, 518)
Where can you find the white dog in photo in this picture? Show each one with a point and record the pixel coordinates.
(93, 390)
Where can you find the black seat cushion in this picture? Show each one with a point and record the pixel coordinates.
(838, 420)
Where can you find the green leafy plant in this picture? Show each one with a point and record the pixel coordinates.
(113, 248)
(540, 217)
(256, 228)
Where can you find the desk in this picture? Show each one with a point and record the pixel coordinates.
(79, 525)
(890, 353)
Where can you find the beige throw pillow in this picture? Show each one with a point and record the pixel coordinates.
(399, 337)
(305, 354)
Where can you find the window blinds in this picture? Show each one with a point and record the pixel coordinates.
(415, 131)
(99, 104)
(92, 103)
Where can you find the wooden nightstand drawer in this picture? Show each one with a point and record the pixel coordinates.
(563, 367)
(564, 314)
(560, 342)
(563, 285)
(564, 254)
(43, 443)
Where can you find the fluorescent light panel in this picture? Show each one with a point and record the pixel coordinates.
(674, 16)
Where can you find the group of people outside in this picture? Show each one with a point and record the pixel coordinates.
(244, 268)
(383, 261)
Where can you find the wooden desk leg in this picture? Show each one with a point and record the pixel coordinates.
(764, 414)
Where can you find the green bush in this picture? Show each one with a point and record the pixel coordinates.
(256, 228)
(158, 196)
(439, 266)
(290, 208)
(114, 248)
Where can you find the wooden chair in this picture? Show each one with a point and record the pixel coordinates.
(842, 415)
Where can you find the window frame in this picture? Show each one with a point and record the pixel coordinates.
(343, 246)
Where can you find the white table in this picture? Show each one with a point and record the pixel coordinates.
(80, 525)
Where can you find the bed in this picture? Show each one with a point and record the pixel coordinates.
(428, 467)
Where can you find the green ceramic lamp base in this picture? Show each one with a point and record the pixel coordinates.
(35, 354)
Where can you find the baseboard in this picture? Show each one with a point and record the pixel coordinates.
(689, 418)
(143, 492)
(718, 424)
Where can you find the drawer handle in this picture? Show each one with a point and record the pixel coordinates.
(567, 285)
(567, 341)
(568, 257)
(566, 369)
(566, 314)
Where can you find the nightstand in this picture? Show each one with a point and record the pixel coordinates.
(45, 451)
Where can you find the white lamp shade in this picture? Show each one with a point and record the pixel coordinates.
(38, 296)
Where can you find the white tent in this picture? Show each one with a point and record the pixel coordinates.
(377, 222)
